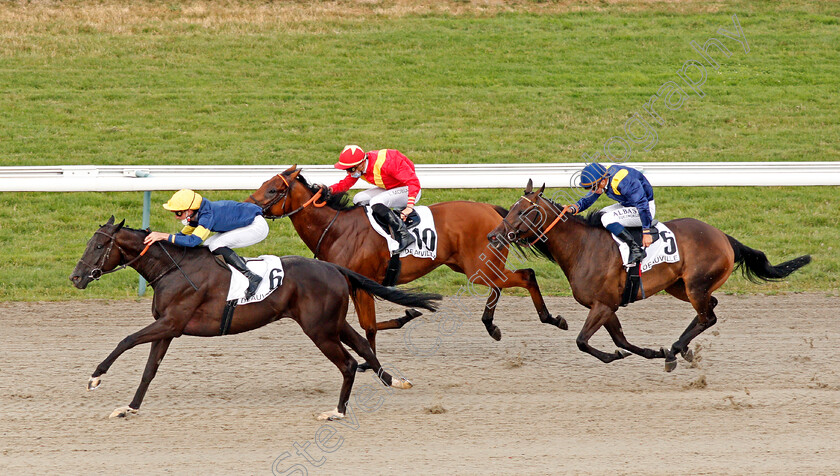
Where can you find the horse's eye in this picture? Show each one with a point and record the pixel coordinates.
(272, 191)
(99, 247)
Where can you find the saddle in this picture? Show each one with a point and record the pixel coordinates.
(392, 273)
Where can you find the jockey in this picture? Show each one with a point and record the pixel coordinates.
(635, 206)
(237, 225)
(396, 183)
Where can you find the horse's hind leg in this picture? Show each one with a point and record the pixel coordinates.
(338, 355)
(529, 279)
(359, 345)
(599, 314)
(704, 303)
(613, 326)
(366, 310)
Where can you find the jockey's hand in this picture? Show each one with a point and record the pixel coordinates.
(155, 236)
(405, 213)
(569, 208)
(647, 240)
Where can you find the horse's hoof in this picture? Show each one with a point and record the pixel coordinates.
(122, 412)
(562, 324)
(402, 384)
(621, 353)
(93, 383)
(331, 415)
(496, 333)
(670, 365)
(364, 366)
(688, 355)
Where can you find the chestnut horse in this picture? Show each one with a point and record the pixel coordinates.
(590, 259)
(190, 293)
(342, 234)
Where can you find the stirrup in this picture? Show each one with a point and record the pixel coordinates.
(252, 286)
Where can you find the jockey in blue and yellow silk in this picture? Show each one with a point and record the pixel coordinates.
(236, 225)
(635, 206)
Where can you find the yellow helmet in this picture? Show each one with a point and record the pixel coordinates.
(183, 200)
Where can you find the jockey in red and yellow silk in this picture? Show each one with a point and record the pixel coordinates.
(396, 185)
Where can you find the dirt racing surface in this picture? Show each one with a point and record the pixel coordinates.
(762, 397)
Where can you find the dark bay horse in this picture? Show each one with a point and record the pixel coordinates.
(341, 234)
(190, 293)
(590, 259)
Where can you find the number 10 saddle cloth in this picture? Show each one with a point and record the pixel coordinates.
(424, 233)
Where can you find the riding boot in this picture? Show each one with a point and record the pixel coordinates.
(397, 227)
(637, 254)
(238, 264)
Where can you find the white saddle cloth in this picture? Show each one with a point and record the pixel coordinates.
(425, 234)
(663, 250)
(268, 266)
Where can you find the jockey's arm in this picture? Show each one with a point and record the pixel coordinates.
(343, 185)
(586, 201)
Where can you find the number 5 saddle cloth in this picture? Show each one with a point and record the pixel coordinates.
(663, 250)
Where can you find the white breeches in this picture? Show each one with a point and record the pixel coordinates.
(394, 198)
(626, 216)
(240, 237)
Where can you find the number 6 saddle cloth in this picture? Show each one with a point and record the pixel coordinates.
(268, 266)
(424, 233)
(663, 250)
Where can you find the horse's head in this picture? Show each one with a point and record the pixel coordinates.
(99, 256)
(273, 193)
(525, 219)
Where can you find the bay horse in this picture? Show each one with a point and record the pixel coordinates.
(191, 289)
(591, 261)
(341, 233)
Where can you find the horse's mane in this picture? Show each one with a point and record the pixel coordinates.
(336, 201)
(592, 219)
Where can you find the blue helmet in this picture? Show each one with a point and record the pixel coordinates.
(591, 174)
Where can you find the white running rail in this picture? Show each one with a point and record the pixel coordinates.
(123, 178)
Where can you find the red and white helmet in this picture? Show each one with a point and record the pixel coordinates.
(350, 156)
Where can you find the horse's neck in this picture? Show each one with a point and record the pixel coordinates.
(311, 221)
(569, 241)
(154, 263)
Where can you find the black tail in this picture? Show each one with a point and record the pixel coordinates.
(756, 268)
(408, 299)
(540, 248)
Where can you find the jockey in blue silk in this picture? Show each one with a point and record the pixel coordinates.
(635, 206)
(236, 225)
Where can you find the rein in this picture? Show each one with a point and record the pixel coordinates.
(285, 195)
(96, 271)
(324, 233)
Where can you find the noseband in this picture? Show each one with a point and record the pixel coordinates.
(283, 196)
(96, 271)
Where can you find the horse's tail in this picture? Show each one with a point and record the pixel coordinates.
(540, 248)
(755, 266)
(408, 299)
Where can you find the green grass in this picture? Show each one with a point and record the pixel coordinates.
(539, 83)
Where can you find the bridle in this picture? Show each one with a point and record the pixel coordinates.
(96, 271)
(512, 234)
(284, 195)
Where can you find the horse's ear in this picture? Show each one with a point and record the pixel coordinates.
(290, 169)
(120, 225)
(542, 189)
(110, 221)
(294, 174)
(530, 187)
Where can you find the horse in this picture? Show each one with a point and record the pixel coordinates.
(590, 260)
(341, 233)
(191, 292)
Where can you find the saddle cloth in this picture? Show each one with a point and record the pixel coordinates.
(424, 232)
(663, 250)
(268, 266)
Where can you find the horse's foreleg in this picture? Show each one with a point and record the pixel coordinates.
(156, 354)
(530, 283)
(613, 326)
(489, 311)
(599, 314)
(338, 355)
(160, 329)
(356, 342)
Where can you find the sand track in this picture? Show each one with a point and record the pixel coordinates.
(764, 396)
